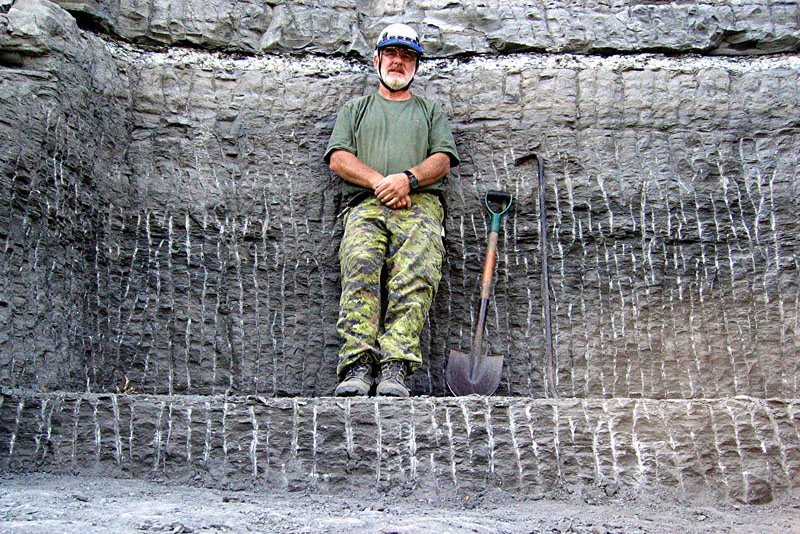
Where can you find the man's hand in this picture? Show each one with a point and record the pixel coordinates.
(394, 191)
(403, 203)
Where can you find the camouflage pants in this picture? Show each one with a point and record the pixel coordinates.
(408, 243)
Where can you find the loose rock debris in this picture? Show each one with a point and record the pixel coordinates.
(40, 503)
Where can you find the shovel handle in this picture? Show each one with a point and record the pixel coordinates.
(506, 200)
(486, 290)
(488, 265)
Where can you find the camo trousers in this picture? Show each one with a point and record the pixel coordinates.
(408, 243)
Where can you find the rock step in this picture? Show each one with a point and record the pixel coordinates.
(450, 28)
(742, 449)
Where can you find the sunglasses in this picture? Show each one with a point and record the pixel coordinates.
(403, 53)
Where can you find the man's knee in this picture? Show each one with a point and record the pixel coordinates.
(361, 261)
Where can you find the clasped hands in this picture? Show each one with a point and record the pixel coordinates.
(393, 190)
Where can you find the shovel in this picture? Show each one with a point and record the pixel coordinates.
(475, 373)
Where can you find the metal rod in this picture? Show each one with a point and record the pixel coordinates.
(548, 322)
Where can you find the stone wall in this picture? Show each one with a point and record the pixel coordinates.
(166, 215)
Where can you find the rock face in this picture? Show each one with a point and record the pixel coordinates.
(168, 228)
(350, 28)
(469, 443)
(167, 216)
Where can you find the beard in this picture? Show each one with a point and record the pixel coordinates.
(392, 80)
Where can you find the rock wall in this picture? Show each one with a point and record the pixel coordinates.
(167, 218)
(744, 450)
(59, 127)
(349, 28)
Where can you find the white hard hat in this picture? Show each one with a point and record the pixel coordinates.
(399, 35)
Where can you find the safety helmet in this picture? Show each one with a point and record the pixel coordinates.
(398, 35)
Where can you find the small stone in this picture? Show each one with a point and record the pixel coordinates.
(178, 528)
(612, 489)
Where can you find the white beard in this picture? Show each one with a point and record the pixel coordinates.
(394, 82)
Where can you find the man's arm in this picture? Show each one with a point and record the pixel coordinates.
(353, 170)
(394, 190)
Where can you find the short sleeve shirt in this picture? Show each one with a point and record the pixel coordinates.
(392, 136)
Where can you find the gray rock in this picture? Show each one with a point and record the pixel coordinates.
(347, 27)
(169, 225)
(515, 444)
(33, 27)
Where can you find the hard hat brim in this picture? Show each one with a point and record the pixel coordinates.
(400, 41)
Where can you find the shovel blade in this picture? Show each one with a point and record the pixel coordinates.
(462, 380)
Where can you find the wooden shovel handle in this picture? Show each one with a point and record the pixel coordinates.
(486, 288)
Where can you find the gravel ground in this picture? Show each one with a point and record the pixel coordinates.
(40, 503)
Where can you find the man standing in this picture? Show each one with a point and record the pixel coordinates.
(391, 149)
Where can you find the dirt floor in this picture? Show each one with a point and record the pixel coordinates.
(40, 503)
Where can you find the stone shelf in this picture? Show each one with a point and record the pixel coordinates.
(742, 449)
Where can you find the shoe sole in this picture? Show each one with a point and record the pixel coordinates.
(391, 390)
(352, 390)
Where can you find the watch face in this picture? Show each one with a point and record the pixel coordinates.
(413, 182)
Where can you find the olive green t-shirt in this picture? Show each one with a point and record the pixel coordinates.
(392, 136)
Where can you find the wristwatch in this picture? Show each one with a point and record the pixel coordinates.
(413, 181)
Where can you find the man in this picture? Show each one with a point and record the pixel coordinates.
(391, 149)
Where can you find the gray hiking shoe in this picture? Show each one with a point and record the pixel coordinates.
(392, 380)
(358, 380)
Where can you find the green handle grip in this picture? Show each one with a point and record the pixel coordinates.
(497, 216)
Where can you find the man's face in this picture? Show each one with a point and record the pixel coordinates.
(398, 66)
